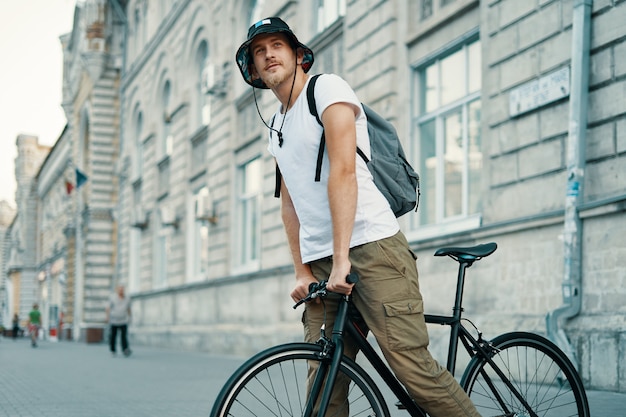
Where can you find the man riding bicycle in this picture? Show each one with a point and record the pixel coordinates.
(343, 223)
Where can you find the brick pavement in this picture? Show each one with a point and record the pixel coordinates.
(68, 379)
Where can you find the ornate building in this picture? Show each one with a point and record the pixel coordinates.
(512, 112)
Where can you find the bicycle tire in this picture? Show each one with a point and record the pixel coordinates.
(540, 371)
(273, 383)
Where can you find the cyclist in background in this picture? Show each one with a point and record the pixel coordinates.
(34, 323)
(343, 223)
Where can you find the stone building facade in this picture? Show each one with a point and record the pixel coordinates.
(481, 92)
(62, 245)
(7, 214)
(512, 112)
(91, 72)
(55, 183)
(21, 286)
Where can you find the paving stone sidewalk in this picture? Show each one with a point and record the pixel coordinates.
(70, 379)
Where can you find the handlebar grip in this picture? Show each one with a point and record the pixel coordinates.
(352, 278)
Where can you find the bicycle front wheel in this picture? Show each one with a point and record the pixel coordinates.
(538, 370)
(274, 383)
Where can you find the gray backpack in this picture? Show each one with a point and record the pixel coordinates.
(393, 175)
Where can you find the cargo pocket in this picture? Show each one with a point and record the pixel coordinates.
(406, 328)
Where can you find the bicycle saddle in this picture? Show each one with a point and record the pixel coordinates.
(470, 253)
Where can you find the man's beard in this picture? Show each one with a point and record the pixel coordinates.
(273, 80)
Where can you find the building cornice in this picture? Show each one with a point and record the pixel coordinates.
(157, 41)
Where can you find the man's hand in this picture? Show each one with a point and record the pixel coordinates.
(337, 280)
(301, 290)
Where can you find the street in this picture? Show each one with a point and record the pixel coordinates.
(68, 379)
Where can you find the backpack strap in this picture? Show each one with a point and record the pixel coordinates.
(278, 174)
(310, 96)
(278, 181)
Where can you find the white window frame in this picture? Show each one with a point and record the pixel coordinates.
(247, 219)
(465, 220)
(203, 104)
(138, 146)
(328, 11)
(134, 255)
(161, 253)
(167, 140)
(197, 268)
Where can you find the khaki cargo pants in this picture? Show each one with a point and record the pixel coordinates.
(389, 299)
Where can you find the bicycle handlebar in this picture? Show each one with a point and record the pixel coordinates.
(318, 289)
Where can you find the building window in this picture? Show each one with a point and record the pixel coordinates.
(447, 143)
(328, 11)
(249, 188)
(200, 239)
(167, 140)
(256, 8)
(163, 186)
(138, 148)
(161, 254)
(198, 155)
(206, 79)
(134, 279)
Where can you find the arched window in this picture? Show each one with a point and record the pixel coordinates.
(205, 74)
(138, 146)
(255, 11)
(167, 141)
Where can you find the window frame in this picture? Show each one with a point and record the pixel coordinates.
(324, 20)
(465, 220)
(247, 232)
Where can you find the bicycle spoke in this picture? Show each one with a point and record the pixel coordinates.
(535, 370)
(274, 385)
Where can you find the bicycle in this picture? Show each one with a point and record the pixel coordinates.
(516, 374)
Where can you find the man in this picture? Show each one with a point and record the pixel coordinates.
(34, 323)
(343, 223)
(118, 316)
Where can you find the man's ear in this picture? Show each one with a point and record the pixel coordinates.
(253, 72)
(299, 56)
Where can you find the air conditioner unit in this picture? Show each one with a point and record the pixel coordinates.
(214, 80)
(208, 78)
(168, 217)
(205, 209)
(139, 218)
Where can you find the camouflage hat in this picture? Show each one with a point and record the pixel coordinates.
(268, 25)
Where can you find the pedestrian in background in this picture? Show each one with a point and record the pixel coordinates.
(118, 317)
(34, 322)
(16, 326)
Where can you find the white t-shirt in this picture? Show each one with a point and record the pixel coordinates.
(297, 160)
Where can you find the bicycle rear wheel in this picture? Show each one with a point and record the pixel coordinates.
(538, 370)
(274, 383)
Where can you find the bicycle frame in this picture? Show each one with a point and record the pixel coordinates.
(343, 323)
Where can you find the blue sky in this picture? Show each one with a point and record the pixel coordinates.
(30, 77)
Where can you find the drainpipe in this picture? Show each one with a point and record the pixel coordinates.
(576, 158)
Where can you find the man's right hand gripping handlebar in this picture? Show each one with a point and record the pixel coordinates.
(318, 290)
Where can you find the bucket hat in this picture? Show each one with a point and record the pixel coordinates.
(268, 25)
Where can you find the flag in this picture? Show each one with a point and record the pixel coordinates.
(80, 178)
(68, 187)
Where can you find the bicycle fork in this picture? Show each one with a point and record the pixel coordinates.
(331, 355)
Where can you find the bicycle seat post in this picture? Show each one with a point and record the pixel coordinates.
(457, 311)
(465, 256)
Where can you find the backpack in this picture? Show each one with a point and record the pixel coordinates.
(392, 173)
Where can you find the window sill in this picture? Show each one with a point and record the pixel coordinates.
(446, 228)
